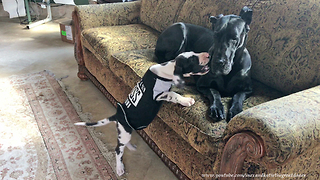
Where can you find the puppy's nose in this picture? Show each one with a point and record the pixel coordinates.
(204, 58)
(202, 63)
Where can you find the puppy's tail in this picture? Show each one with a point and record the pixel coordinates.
(102, 122)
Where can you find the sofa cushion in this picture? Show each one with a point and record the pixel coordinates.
(159, 14)
(191, 123)
(105, 41)
(130, 66)
(284, 42)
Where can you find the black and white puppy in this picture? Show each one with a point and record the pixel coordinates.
(145, 100)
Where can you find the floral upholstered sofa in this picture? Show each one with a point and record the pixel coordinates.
(277, 134)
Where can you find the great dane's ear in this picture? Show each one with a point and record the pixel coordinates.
(246, 14)
(214, 19)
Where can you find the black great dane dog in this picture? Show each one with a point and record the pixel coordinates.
(230, 61)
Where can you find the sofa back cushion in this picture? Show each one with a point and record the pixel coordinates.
(284, 40)
(159, 14)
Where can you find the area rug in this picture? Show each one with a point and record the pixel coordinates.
(38, 139)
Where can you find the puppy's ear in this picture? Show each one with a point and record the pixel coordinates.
(177, 76)
(178, 73)
(246, 14)
(177, 70)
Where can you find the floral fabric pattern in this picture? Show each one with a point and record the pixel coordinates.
(108, 14)
(105, 41)
(286, 37)
(284, 139)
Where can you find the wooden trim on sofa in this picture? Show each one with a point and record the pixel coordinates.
(241, 146)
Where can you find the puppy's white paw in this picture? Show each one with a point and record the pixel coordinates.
(80, 124)
(131, 147)
(185, 101)
(120, 169)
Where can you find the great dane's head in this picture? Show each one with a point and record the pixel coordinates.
(190, 63)
(230, 36)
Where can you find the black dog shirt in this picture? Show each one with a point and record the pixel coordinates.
(141, 106)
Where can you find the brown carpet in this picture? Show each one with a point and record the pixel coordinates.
(37, 137)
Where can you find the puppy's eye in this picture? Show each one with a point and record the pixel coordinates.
(194, 60)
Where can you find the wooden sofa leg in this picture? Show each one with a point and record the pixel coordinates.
(239, 147)
(78, 53)
(81, 67)
(81, 73)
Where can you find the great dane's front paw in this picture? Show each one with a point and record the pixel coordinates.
(120, 169)
(234, 110)
(217, 111)
(185, 101)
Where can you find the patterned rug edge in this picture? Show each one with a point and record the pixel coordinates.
(106, 150)
(103, 149)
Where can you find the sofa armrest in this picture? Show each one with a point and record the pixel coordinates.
(287, 127)
(98, 15)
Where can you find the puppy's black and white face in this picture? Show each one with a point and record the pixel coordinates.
(190, 63)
